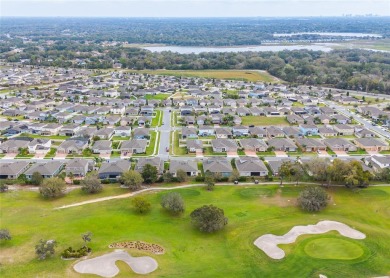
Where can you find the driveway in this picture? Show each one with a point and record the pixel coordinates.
(341, 153)
(232, 154)
(199, 154)
(250, 153)
(10, 155)
(280, 154)
(60, 156)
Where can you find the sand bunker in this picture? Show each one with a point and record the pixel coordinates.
(139, 245)
(104, 266)
(269, 242)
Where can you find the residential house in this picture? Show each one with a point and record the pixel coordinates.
(194, 146)
(206, 131)
(240, 130)
(327, 131)
(273, 132)
(105, 133)
(308, 129)
(224, 145)
(372, 144)
(77, 166)
(133, 146)
(113, 169)
(39, 146)
(251, 166)
(102, 147)
(258, 132)
(141, 133)
(223, 132)
(14, 144)
(47, 169)
(252, 144)
(154, 161)
(310, 144)
(188, 166)
(340, 144)
(73, 146)
(218, 165)
(51, 129)
(189, 133)
(12, 170)
(344, 129)
(122, 131)
(282, 144)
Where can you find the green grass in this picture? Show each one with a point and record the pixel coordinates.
(158, 96)
(209, 151)
(58, 137)
(262, 120)
(51, 153)
(329, 248)
(157, 120)
(179, 150)
(358, 152)
(120, 138)
(265, 153)
(247, 75)
(231, 251)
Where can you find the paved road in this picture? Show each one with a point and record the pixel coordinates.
(367, 124)
(165, 132)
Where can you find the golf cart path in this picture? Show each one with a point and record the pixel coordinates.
(131, 194)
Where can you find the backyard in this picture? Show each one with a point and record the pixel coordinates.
(262, 120)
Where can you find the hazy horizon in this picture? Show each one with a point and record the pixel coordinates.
(192, 8)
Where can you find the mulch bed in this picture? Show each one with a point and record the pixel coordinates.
(140, 245)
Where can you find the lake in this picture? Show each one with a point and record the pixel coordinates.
(330, 34)
(256, 48)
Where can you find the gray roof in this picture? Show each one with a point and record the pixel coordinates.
(371, 142)
(77, 163)
(252, 142)
(250, 164)
(186, 165)
(12, 168)
(337, 142)
(118, 166)
(197, 144)
(310, 142)
(102, 145)
(280, 142)
(134, 144)
(154, 161)
(45, 169)
(217, 165)
(224, 143)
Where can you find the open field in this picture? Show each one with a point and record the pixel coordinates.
(248, 75)
(158, 96)
(267, 210)
(262, 120)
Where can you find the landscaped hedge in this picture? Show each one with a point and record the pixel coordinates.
(70, 253)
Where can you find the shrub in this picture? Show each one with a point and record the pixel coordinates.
(76, 182)
(313, 198)
(52, 188)
(45, 248)
(173, 202)
(4, 234)
(199, 179)
(141, 205)
(3, 188)
(132, 179)
(92, 185)
(71, 253)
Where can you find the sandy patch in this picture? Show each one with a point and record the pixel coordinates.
(104, 266)
(139, 245)
(269, 242)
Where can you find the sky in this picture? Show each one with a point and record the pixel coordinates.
(192, 8)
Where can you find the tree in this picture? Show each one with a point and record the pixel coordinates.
(316, 167)
(209, 179)
(36, 178)
(149, 173)
(285, 171)
(91, 184)
(141, 205)
(297, 171)
(181, 175)
(5, 235)
(45, 248)
(52, 188)
(132, 179)
(173, 202)
(313, 198)
(208, 218)
(86, 237)
(234, 176)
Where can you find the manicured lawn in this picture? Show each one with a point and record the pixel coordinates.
(266, 153)
(51, 153)
(179, 150)
(262, 120)
(358, 152)
(58, 137)
(158, 96)
(120, 138)
(248, 75)
(209, 151)
(251, 213)
(157, 120)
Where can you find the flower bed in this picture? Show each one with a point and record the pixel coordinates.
(139, 245)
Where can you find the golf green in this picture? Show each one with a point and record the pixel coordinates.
(333, 249)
